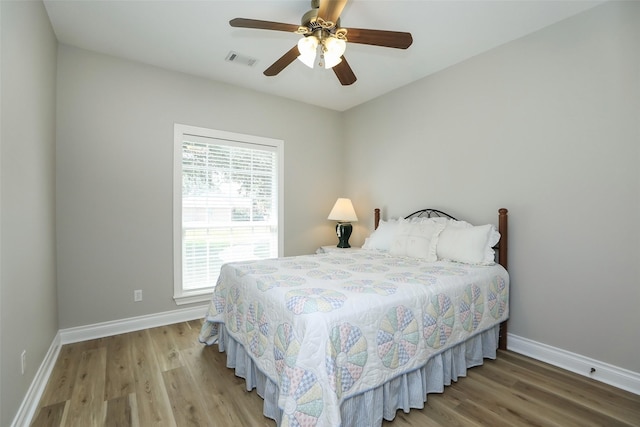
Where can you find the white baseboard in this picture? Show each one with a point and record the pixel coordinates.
(115, 327)
(83, 333)
(576, 363)
(30, 402)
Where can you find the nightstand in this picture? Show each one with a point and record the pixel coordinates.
(327, 249)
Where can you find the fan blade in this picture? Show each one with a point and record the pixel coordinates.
(262, 25)
(395, 39)
(344, 73)
(282, 63)
(330, 10)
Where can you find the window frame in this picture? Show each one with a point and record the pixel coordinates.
(180, 130)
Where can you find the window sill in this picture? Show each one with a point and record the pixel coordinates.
(190, 298)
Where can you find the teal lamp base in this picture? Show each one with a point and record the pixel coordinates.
(343, 231)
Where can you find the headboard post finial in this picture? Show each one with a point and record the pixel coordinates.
(376, 218)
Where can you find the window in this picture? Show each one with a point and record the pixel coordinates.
(227, 205)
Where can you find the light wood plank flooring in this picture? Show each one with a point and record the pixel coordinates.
(164, 377)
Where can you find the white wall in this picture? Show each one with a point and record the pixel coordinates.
(548, 127)
(27, 173)
(114, 176)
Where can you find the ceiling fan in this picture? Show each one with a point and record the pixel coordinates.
(321, 31)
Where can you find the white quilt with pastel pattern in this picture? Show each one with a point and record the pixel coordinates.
(330, 326)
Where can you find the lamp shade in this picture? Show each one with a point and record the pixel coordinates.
(343, 211)
(307, 47)
(333, 50)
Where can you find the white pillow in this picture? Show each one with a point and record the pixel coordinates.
(468, 244)
(417, 239)
(438, 219)
(382, 237)
(455, 222)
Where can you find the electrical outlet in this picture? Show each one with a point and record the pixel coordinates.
(137, 295)
(23, 361)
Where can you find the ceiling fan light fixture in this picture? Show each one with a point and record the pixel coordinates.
(308, 46)
(333, 48)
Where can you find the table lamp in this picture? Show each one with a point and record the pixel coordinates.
(344, 213)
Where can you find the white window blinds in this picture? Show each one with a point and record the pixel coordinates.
(229, 206)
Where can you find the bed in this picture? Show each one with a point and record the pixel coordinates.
(346, 338)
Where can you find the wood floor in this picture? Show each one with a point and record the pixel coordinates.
(164, 377)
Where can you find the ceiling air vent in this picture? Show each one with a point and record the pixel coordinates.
(237, 58)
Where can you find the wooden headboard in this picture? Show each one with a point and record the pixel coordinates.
(500, 247)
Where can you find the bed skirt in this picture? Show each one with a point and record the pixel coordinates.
(369, 408)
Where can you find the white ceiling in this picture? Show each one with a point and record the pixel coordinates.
(194, 37)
